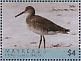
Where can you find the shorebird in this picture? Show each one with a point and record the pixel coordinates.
(41, 25)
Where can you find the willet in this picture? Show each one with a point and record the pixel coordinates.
(41, 25)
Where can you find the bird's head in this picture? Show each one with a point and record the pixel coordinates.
(28, 9)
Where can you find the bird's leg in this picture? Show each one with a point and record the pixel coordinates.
(44, 41)
(40, 41)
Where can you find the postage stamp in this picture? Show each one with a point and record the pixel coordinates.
(40, 30)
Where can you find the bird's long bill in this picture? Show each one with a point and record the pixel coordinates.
(20, 14)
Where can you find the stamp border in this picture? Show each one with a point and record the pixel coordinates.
(41, 59)
(79, 30)
(40, 1)
(3, 1)
(0, 30)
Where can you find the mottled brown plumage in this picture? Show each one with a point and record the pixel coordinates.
(44, 24)
(41, 25)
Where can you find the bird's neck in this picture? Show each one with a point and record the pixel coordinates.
(31, 13)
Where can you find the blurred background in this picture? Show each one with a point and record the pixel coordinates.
(17, 35)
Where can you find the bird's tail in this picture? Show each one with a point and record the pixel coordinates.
(66, 31)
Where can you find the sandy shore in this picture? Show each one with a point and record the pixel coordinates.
(17, 35)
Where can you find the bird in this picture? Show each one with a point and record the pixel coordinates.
(41, 25)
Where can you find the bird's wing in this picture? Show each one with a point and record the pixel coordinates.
(46, 24)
